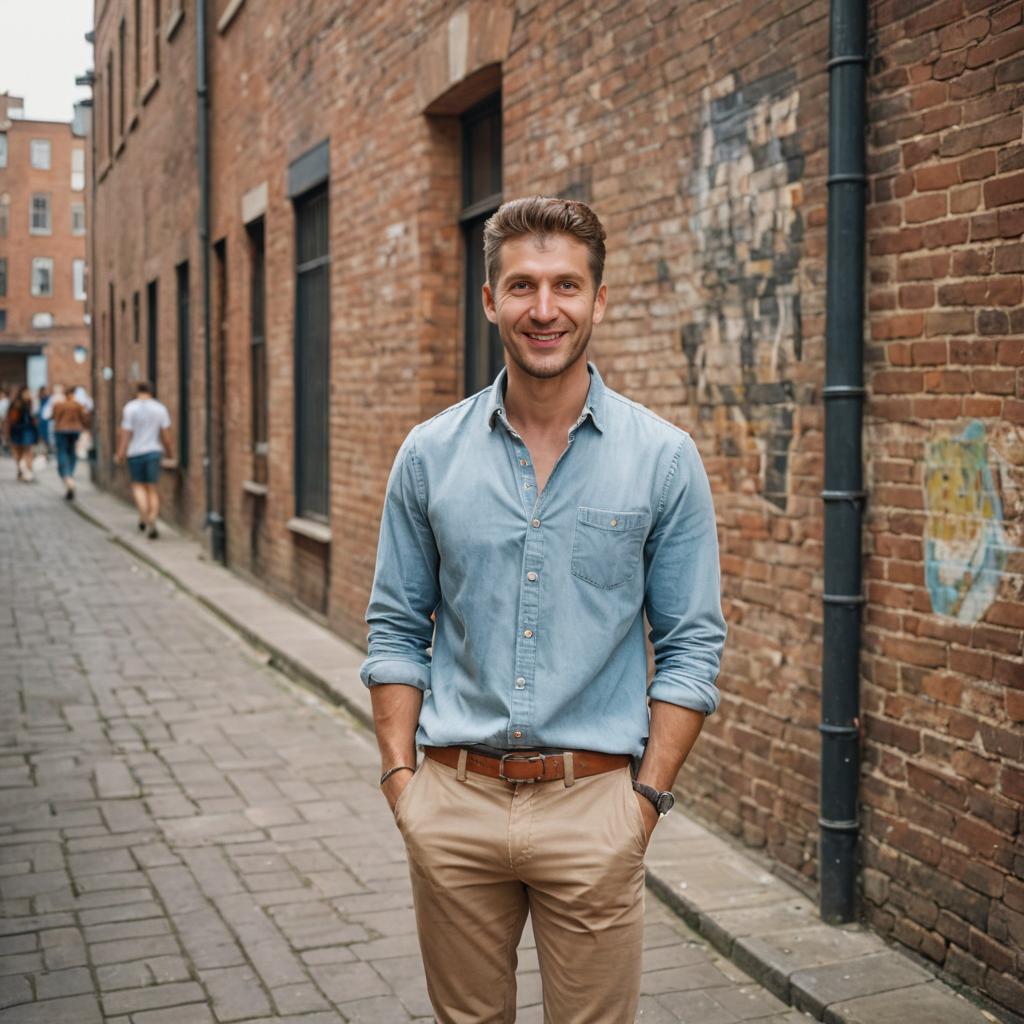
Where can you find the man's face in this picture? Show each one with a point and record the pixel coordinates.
(544, 303)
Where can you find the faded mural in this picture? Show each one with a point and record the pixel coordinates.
(966, 541)
(746, 333)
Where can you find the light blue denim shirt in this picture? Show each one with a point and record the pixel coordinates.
(539, 599)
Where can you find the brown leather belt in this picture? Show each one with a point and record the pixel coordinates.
(527, 766)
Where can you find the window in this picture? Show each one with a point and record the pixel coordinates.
(3, 277)
(151, 334)
(40, 223)
(258, 350)
(3, 319)
(184, 362)
(77, 170)
(121, 34)
(5, 214)
(3, 149)
(135, 318)
(156, 37)
(42, 276)
(481, 196)
(110, 104)
(42, 321)
(78, 279)
(312, 354)
(40, 154)
(138, 45)
(78, 218)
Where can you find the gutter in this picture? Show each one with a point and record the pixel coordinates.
(214, 519)
(844, 493)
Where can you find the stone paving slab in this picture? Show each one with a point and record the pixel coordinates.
(188, 837)
(742, 909)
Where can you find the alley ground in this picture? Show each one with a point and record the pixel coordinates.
(187, 837)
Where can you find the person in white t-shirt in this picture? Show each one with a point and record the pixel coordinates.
(144, 439)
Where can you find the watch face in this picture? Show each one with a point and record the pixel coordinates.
(666, 801)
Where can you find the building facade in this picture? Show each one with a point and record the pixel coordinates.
(44, 333)
(354, 154)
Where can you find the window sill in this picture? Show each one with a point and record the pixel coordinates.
(255, 489)
(172, 26)
(149, 89)
(39, 232)
(229, 15)
(310, 529)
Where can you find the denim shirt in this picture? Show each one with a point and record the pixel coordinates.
(538, 600)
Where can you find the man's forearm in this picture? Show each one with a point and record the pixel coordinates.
(123, 437)
(396, 714)
(673, 732)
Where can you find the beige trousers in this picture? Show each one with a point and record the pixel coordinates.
(484, 853)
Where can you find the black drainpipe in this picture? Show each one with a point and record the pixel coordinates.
(844, 487)
(214, 520)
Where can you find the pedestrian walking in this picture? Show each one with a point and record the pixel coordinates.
(144, 439)
(70, 419)
(526, 532)
(6, 393)
(22, 432)
(43, 403)
(85, 438)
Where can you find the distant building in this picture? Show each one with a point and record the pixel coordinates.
(44, 333)
(355, 152)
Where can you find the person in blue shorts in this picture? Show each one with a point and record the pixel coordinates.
(144, 440)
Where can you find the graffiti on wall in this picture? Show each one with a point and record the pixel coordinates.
(966, 543)
(745, 333)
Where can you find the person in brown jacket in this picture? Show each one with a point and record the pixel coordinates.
(69, 420)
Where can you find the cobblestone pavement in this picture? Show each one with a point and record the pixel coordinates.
(187, 837)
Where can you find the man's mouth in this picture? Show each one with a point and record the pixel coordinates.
(545, 338)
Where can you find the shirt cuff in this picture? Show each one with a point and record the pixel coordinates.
(686, 692)
(382, 670)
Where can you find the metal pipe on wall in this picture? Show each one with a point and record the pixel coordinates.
(844, 488)
(214, 520)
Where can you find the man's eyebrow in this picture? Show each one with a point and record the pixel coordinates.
(568, 275)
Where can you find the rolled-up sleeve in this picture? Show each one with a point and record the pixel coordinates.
(683, 588)
(405, 584)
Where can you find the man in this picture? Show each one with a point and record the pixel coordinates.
(145, 439)
(525, 533)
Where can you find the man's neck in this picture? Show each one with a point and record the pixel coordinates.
(546, 405)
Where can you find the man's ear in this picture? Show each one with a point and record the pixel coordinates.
(490, 310)
(599, 303)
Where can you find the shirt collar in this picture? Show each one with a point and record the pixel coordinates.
(593, 408)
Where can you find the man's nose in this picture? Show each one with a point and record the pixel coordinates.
(544, 308)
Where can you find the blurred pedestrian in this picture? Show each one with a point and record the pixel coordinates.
(69, 420)
(84, 399)
(42, 412)
(6, 391)
(144, 438)
(22, 431)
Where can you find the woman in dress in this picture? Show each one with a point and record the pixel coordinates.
(23, 432)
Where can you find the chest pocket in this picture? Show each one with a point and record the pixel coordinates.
(607, 546)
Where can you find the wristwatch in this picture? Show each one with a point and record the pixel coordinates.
(663, 802)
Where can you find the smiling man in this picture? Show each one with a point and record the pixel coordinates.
(526, 532)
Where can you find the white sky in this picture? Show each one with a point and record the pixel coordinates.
(42, 51)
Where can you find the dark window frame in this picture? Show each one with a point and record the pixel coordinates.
(152, 333)
(138, 47)
(3, 277)
(181, 274)
(156, 37)
(258, 384)
(482, 349)
(122, 45)
(312, 353)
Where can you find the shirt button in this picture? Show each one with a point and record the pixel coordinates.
(532, 577)
(520, 683)
(535, 524)
(615, 522)
(518, 734)
(523, 462)
(527, 486)
(527, 633)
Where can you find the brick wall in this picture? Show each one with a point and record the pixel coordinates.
(943, 692)
(699, 133)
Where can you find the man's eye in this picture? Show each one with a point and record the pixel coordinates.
(569, 285)
(518, 285)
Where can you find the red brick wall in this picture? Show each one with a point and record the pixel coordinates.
(699, 133)
(19, 180)
(943, 694)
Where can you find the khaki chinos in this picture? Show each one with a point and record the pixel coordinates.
(484, 853)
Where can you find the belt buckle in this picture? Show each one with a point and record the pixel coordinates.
(523, 759)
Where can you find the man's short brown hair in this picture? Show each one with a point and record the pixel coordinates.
(543, 216)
